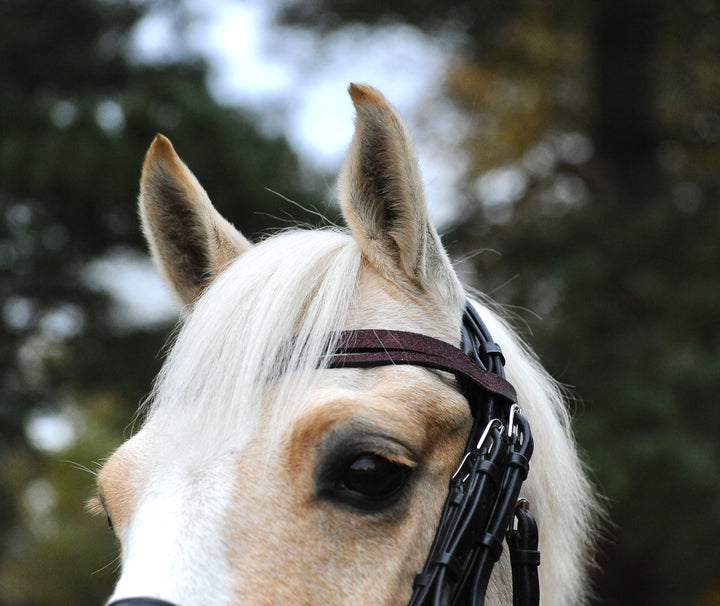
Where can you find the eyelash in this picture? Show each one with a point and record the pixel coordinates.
(97, 506)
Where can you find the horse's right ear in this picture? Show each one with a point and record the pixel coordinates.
(189, 240)
(382, 199)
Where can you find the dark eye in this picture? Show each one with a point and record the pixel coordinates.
(374, 476)
(365, 481)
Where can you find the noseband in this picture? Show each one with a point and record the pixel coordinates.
(482, 506)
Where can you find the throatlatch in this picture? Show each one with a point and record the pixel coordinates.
(482, 506)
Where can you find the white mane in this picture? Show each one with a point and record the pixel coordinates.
(264, 322)
(560, 495)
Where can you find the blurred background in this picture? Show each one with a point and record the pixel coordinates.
(572, 158)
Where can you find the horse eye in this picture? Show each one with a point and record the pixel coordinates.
(374, 476)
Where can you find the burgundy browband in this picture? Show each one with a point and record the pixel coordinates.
(368, 348)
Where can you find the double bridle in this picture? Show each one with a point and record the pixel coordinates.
(482, 506)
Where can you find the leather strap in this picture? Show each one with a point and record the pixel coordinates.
(524, 557)
(368, 348)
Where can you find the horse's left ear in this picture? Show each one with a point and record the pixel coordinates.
(189, 240)
(382, 196)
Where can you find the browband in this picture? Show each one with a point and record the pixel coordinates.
(368, 348)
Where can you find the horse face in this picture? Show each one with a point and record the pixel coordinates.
(254, 486)
(346, 511)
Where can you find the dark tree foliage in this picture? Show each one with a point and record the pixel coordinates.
(607, 115)
(77, 112)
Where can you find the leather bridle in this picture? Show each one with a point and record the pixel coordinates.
(482, 506)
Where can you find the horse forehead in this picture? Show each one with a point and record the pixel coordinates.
(398, 393)
(414, 406)
(382, 304)
(180, 444)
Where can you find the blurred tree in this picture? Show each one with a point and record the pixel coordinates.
(77, 112)
(595, 146)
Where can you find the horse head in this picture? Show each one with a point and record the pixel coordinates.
(262, 476)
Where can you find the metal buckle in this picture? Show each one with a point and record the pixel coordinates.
(512, 426)
(521, 503)
(496, 423)
(493, 423)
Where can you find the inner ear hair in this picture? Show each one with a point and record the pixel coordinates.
(382, 196)
(189, 240)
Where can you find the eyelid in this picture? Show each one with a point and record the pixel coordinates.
(95, 505)
(363, 435)
(393, 457)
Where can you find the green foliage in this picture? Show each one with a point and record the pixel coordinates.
(634, 333)
(57, 554)
(480, 26)
(76, 116)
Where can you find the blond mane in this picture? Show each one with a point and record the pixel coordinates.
(263, 322)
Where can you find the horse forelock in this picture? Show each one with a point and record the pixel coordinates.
(256, 335)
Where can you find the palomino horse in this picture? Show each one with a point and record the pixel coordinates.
(260, 475)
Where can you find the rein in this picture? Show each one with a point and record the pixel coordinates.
(482, 506)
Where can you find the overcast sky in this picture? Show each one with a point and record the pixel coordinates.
(297, 81)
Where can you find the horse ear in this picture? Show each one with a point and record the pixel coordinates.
(382, 196)
(189, 240)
